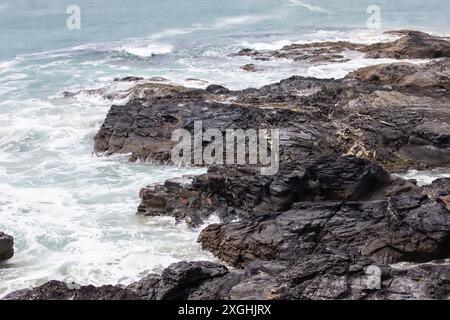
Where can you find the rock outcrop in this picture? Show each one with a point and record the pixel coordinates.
(332, 223)
(6, 246)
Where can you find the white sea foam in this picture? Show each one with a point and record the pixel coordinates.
(363, 36)
(298, 3)
(424, 177)
(276, 45)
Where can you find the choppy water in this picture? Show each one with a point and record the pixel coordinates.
(73, 214)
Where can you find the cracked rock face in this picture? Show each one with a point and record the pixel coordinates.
(6, 246)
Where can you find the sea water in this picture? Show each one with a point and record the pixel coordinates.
(72, 214)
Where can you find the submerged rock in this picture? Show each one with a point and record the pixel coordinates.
(330, 230)
(6, 246)
(231, 193)
(180, 280)
(216, 89)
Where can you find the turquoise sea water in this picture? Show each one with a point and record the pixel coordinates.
(72, 213)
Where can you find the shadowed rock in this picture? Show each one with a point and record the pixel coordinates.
(6, 246)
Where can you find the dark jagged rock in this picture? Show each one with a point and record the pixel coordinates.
(185, 280)
(311, 52)
(408, 227)
(128, 79)
(146, 130)
(6, 246)
(332, 223)
(357, 208)
(396, 115)
(411, 45)
(216, 89)
(239, 192)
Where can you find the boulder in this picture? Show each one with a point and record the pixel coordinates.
(6, 246)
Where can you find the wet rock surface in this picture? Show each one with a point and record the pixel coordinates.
(397, 115)
(6, 246)
(332, 223)
(410, 45)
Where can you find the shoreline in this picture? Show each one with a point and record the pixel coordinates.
(318, 133)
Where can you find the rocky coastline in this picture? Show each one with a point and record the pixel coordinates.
(333, 223)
